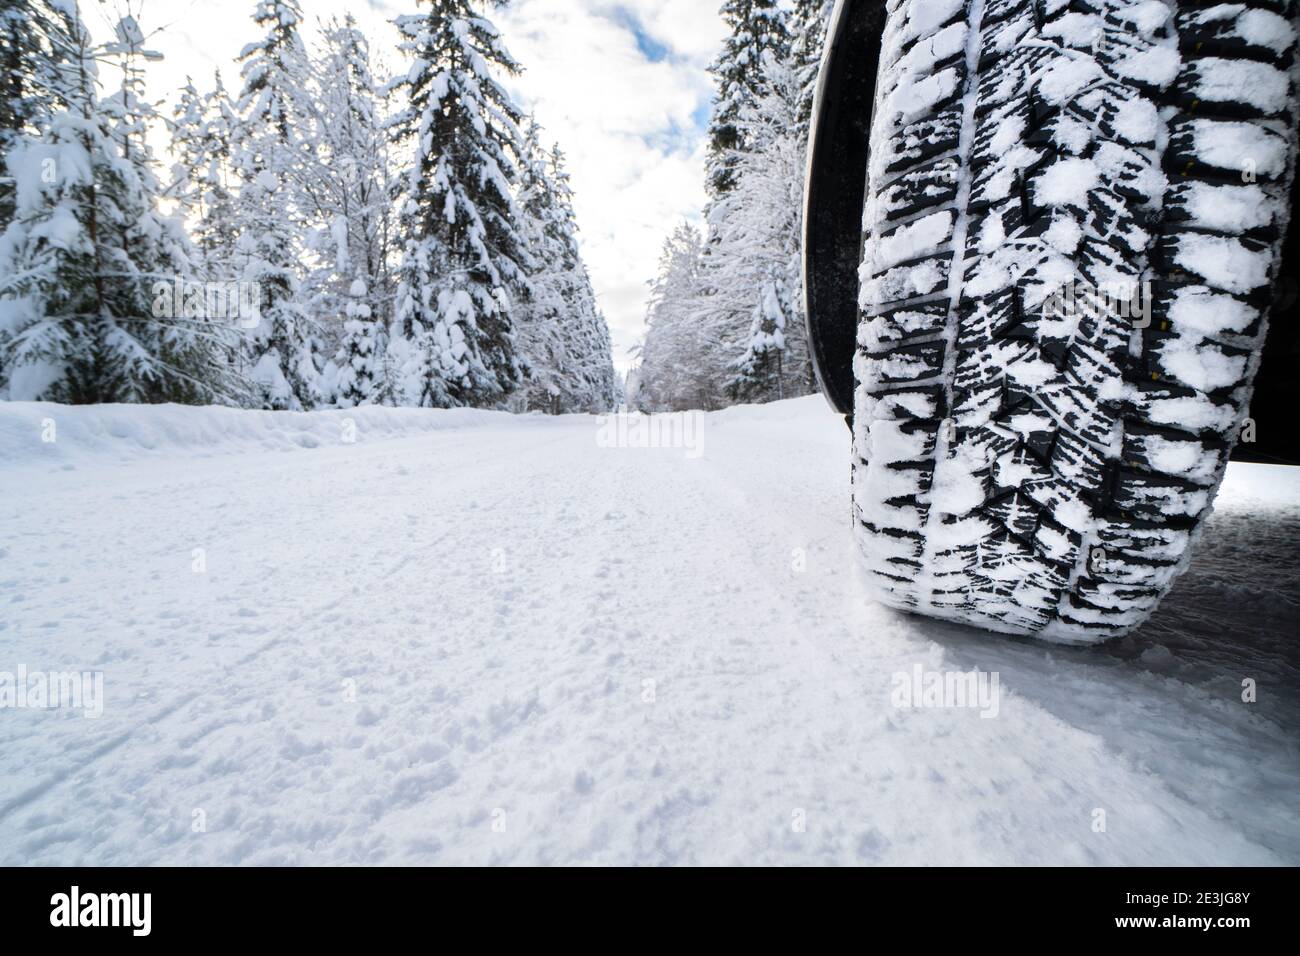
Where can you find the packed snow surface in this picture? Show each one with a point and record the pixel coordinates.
(424, 637)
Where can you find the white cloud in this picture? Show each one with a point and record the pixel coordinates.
(627, 124)
(623, 111)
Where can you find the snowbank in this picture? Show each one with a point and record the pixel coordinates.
(37, 432)
(34, 433)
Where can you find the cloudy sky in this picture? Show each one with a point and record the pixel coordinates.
(620, 84)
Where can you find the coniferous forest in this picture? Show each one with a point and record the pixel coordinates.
(726, 321)
(319, 232)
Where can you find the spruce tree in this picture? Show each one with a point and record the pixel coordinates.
(27, 100)
(28, 95)
(346, 191)
(202, 183)
(749, 303)
(281, 355)
(755, 262)
(88, 249)
(758, 37)
(808, 25)
(464, 260)
(360, 358)
(757, 30)
(541, 310)
(562, 337)
(760, 371)
(672, 375)
(596, 387)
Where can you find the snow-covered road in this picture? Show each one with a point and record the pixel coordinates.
(469, 638)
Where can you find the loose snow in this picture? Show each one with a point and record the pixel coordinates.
(1239, 146)
(1240, 81)
(401, 636)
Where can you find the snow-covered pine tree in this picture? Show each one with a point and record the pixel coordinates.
(596, 385)
(609, 385)
(775, 362)
(359, 379)
(346, 187)
(671, 376)
(28, 97)
(540, 310)
(281, 356)
(87, 247)
(808, 25)
(201, 129)
(562, 338)
(760, 372)
(464, 259)
(749, 309)
(757, 28)
(635, 397)
(755, 260)
(188, 129)
(28, 93)
(758, 36)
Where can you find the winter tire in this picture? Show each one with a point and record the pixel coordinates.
(1075, 214)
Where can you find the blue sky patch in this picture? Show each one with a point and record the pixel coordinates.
(650, 48)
